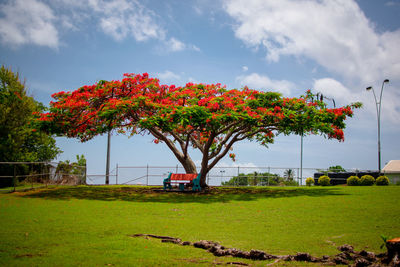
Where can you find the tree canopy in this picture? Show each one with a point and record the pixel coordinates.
(19, 138)
(336, 168)
(207, 117)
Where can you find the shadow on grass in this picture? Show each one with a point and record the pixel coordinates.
(154, 194)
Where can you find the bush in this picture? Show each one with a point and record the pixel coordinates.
(367, 180)
(324, 180)
(290, 183)
(382, 180)
(309, 181)
(353, 181)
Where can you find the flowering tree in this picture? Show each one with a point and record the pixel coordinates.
(207, 117)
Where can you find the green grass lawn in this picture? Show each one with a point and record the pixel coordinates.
(90, 225)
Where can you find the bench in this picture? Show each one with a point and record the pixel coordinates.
(182, 179)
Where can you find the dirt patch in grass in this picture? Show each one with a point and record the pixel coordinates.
(28, 255)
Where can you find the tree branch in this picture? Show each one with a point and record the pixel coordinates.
(235, 139)
(226, 139)
(224, 152)
(197, 144)
(205, 159)
(169, 143)
(185, 149)
(227, 127)
(177, 138)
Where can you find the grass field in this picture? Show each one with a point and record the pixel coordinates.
(90, 226)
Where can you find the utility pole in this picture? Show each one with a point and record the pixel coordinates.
(108, 158)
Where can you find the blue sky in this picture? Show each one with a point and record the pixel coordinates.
(337, 47)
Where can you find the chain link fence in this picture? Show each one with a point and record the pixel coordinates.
(221, 175)
(16, 176)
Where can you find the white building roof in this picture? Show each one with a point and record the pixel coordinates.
(392, 167)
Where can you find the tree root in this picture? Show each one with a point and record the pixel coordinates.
(346, 256)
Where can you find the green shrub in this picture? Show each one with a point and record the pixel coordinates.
(290, 183)
(367, 180)
(353, 181)
(309, 181)
(382, 180)
(324, 180)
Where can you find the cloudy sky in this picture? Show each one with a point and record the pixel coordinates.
(337, 47)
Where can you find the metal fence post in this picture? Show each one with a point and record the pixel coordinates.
(147, 175)
(298, 176)
(30, 176)
(237, 180)
(85, 178)
(116, 174)
(15, 177)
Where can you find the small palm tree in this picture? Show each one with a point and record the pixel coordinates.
(289, 174)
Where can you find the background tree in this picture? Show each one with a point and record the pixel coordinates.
(19, 138)
(289, 174)
(209, 118)
(71, 172)
(336, 168)
(254, 179)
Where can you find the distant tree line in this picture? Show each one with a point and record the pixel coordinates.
(262, 179)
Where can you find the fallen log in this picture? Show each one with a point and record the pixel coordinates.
(347, 256)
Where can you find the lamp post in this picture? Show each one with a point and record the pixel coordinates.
(301, 159)
(378, 114)
(222, 174)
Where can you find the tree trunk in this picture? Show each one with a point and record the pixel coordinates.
(203, 178)
(393, 251)
(188, 165)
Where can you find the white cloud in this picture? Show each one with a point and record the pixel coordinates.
(122, 18)
(392, 3)
(168, 76)
(198, 10)
(334, 33)
(28, 21)
(194, 48)
(174, 45)
(332, 88)
(343, 96)
(257, 81)
(245, 68)
(31, 21)
(115, 27)
(192, 80)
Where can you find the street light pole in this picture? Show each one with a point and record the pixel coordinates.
(301, 159)
(378, 114)
(222, 173)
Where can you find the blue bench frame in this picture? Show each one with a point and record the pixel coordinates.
(196, 183)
